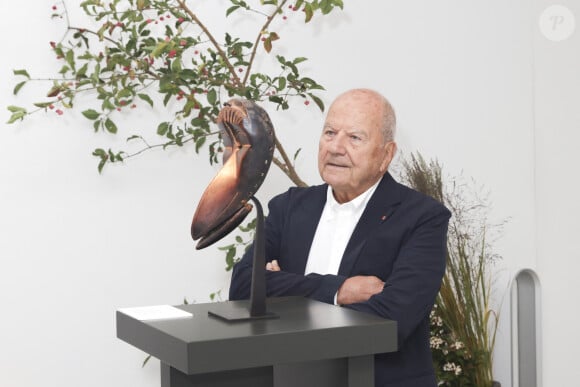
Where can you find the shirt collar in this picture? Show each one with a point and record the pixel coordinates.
(355, 204)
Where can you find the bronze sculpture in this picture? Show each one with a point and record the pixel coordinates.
(248, 137)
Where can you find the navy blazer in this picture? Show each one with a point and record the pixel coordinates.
(400, 238)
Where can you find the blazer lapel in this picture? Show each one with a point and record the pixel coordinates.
(381, 205)
(304, 224)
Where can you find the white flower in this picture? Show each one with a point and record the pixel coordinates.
(458, 370)
(449, 367)
(457, 345)
(435, 342)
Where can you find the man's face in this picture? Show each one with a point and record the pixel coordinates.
(352, 154)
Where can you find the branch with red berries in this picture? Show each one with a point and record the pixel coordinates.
(136, 54)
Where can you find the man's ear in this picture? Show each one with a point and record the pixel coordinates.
(390, 150)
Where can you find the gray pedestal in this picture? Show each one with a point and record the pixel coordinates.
(311, 344)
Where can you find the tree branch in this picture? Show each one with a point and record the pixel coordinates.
(286, 166)
(257, 42)
(221, 52)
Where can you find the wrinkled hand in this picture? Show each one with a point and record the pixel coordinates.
(359, 289)
(273, 266)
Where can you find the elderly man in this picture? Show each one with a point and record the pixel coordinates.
(361, 240)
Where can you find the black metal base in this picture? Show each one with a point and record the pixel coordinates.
(232, 312)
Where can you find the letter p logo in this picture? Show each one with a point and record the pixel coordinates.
(557, 23)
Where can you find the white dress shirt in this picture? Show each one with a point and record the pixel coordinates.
(334, 230)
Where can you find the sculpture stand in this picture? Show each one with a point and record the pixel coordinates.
(257, 311)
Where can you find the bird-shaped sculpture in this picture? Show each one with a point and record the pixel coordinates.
(248, 137)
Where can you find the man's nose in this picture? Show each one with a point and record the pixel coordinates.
(337, 145)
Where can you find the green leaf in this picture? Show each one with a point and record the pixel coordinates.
(159, 49)
(176, 66)
(163, 128)
(231, 9)
(268, 44)
(325, 6)
(308, 12)
(166, 99)
(297, 153)
(110, 126)
(15, 109)
(83, 70)
(317, 101)
(18, 87)
(21, 72)
(145, 361)
(100, 153)
(281, 83)
(230, 256)
(19, 115)
(91, 114)
(146, 98)
(70, 58)
(199, 143)
(42, 105)
(125, 93)
(212, 97)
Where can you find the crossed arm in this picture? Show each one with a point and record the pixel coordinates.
(354, 289)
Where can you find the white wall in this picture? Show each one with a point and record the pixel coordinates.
(557, 122)
(474, 84)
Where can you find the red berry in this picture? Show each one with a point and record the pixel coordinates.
(59, 112)
(52, 44)
(118, 109)
(180, 20)
(148, 21)
(133, 106)
(172, 53)
(284, 17)
(306, 103)
(182, 43)
(54, 7)
(161, 18)
(196, 52)
(51, 106)
(168, 16)
(240, 70)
